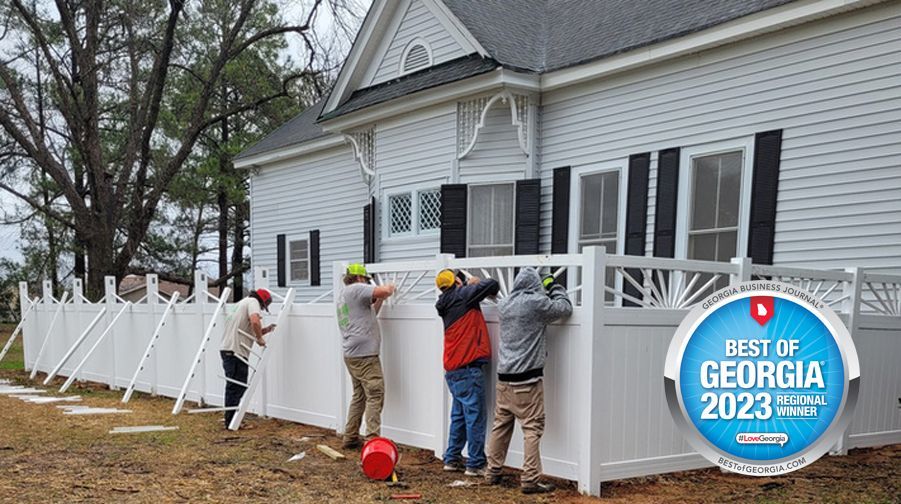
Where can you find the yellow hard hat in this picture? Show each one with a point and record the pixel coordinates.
(445, 279)
(356, 269)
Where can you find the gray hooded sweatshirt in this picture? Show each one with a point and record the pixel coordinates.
(524, 314)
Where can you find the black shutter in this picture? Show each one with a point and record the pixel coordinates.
(560, 212)
(280, 267)
(528, 216)
(665, 209)
(560, 215)
(453, 219)
(369, 232)
(764, 189)
(315, 278)
(636, 216)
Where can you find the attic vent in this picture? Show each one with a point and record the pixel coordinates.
(416, 56)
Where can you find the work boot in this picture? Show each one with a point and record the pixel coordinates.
(538, 488)
(492, 479)
(455, 466)
(352, 443)
(478, 472)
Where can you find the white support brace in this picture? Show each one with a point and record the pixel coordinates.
(9, 342)
(150, 344)
(96, 345)
(37, 360)
(257, 377)
(74, 347)
(180, 402)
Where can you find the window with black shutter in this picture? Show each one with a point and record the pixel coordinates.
(528, 216)
(280, 266)
(315, 274)
(764, 191)
(453, 219)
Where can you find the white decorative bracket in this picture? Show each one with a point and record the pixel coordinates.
(363, 143)
(468, 127)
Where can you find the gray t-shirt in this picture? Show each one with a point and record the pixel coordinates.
(237, 321)
(356, 319)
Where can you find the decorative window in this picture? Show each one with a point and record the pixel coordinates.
(430, 210)
(416, 56)
(414, 212)
(491, 219)
(299, 257)
(400, 214)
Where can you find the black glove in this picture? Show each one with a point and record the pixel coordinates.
(548, 281)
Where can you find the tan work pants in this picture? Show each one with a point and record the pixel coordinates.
(369, 396)
(526, 404)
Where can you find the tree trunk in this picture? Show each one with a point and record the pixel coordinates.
(100, 257)
(238, 251)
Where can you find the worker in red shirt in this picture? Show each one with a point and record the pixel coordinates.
(466, 351)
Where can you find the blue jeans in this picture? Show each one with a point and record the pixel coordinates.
(467, 386)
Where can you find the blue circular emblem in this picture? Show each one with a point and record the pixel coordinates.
(761, 377)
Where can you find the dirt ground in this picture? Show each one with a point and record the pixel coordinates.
(46, 456)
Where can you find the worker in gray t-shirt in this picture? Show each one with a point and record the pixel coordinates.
(358, 306)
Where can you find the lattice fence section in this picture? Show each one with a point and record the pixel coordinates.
(648, 282)
(880, 294)
(831, 287)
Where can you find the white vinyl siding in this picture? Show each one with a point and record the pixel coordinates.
(418, 22)
(833, 86)
(321, 191)
(496, 155)
(413, 152)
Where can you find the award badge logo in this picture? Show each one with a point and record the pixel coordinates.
(762, 378)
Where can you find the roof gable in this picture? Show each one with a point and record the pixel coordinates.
(417, 27)
(377, 34)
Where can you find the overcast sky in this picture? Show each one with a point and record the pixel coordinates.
(294, 13)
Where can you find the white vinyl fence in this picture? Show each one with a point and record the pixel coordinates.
(607, 416)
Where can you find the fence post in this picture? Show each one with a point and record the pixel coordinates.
(152, 283)
(743, 274)
(441, 262)
(200, 300)
(261, 278)
(594, 266)
(110, 290)
(24, 302)
(77, 291)
(851, 306)
(338, 268)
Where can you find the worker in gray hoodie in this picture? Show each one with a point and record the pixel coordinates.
(524, 314)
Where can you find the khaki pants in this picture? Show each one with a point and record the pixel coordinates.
(369, 396)
(526, 404)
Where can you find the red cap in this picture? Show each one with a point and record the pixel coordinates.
(265, 296)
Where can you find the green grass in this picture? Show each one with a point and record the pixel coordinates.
(15, 359)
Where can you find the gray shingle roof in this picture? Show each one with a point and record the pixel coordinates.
(299, 129)
(546, 35)
(454, 70)
(534, 36)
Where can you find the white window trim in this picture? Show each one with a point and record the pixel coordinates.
(288, 242)
(403, 57)
(469, 216)
(575, 201)
(414, 232)
(683, 210)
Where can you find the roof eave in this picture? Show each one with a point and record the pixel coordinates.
(500, 77)
(289, 152)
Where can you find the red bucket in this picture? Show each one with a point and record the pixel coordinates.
(379, 457)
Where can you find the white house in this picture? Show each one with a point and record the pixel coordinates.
(697, 129)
